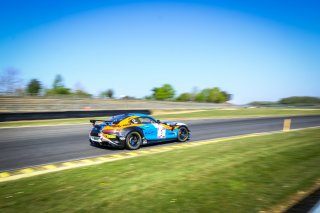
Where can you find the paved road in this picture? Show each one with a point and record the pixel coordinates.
(22, 147)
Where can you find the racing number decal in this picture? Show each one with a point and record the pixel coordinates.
(161, 131)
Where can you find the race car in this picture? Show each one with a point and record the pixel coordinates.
(133, 130)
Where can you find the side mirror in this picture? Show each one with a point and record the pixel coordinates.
(158, 121)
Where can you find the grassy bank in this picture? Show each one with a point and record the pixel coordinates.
(213, 113)
(244, 175)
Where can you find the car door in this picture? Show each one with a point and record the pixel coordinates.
(150, 128)
(167, 132)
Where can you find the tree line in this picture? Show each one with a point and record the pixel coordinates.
(210, 95)
(11, 84)
(58, 88)
(294, 100)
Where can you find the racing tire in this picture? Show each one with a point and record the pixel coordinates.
(183, 134)
(133, 140)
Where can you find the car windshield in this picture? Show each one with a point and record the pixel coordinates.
(117, 118)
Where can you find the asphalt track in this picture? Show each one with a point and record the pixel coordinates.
(30, 146)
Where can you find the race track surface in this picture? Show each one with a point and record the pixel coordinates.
(29, 146)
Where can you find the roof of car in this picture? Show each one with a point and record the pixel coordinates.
(138, 114)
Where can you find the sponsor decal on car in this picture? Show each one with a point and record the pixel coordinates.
(110, 136)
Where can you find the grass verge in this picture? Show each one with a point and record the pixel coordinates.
(243, 112)
(212, 113)
(241, 175)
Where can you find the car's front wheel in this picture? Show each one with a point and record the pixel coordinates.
(133, 140)
(183, 134)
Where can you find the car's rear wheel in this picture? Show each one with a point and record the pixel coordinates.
(183, 134)
(133, 140)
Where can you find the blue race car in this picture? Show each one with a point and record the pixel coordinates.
(132, 130)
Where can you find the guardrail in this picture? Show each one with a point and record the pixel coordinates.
(8, 116)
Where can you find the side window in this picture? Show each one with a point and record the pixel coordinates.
(135, 121)
(146, 120)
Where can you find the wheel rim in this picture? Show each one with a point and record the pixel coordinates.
(134, 140)
(183, 134)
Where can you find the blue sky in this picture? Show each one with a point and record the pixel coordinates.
(256, 50)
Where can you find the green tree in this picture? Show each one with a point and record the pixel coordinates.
(262, 103)
(185, 97)
(34, 87)
(148, 97)
(212, 95)
(200, 97)
(58, 87)
(226, 95)
(59, 91)
(82, 94)
(300, 100)
(58, 82)
(127, 97)
(203, 95)
(107, 94)
(163, 93)
(110, 93)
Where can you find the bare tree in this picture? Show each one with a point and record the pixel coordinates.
(78, 86)
(10, 82)
(80, 91)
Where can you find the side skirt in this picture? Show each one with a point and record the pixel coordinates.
(160, 141)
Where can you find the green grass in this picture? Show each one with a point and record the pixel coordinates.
(243, 175)
(243, 112)
(212, 113)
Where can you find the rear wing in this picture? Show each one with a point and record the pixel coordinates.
(94, 121)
